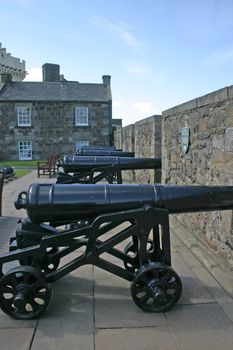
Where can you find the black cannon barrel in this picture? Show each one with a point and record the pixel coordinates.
(59, 202)
(101, 152)
(71, 164)
(113, 148)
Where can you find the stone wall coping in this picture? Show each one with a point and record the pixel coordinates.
(148, 120)
(213, 97)
(130, 126)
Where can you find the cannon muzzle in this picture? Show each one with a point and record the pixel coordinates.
(72, 164)
(66, 203)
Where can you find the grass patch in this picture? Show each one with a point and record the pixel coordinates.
(21, 172)
(19, 163)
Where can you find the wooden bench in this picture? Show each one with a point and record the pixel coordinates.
(2, 176)
(48, 167)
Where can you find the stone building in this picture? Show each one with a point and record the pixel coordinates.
(55, 116)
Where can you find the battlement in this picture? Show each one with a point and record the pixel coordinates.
(12, 65)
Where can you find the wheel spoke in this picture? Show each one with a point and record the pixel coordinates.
(21, 309)
(35, 306)
(37, 285)
(7, 302)
(141, 289)
(174, 285)
(144, 299)
(7, 289)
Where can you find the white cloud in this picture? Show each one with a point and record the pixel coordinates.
(119, 29)
(117, 103)
(137, 68)
(145, 107)
(34, 74)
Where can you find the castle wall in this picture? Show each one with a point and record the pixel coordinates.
(144, 139)
(208, 161)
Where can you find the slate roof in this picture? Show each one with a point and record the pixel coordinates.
(55, 91)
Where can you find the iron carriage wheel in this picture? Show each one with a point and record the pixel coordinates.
(156, 287)
(24, 293)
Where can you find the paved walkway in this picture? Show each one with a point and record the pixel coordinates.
(92, 310)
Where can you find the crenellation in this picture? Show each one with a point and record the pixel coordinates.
(12, 65)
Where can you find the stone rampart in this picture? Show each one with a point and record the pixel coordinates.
(143, 138)
(208, 161)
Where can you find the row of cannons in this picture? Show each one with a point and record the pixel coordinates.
(92, 165)
(120, 228)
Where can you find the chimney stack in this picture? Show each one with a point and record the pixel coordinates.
(106, 79)
(51, 72)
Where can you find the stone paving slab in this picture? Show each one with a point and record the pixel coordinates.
(16, 339)
(150, 338)
(114, 307)
(67, 324)
(201, 327)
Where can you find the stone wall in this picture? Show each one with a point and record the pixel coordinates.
(148, 144)
(208, 161)
(143, 138)
(118, 138)
(128, 146)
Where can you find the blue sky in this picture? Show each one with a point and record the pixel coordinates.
(159, 53)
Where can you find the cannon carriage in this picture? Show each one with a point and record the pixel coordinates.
(93, 169)
(97, 222)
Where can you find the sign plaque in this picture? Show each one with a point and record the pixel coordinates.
(185, 133)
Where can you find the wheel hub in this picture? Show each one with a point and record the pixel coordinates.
(157, 292)
(21, 296)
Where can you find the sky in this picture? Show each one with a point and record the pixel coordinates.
(159, 53)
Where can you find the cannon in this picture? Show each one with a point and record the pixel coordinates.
(92, 169)
(90, 223)
(104, 152)
(8, 171)
(109, 148)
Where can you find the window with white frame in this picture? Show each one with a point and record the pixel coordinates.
(81, 116)
(24, 116)
(80, 144)
(25, 150)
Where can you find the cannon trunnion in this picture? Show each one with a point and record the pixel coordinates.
(88, 224)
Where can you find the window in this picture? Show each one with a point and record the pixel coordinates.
(24, 116)
(81, 116)
(25, 150)
(80, 144)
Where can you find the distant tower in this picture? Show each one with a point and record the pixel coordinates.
(51, 72)
(12, 65)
